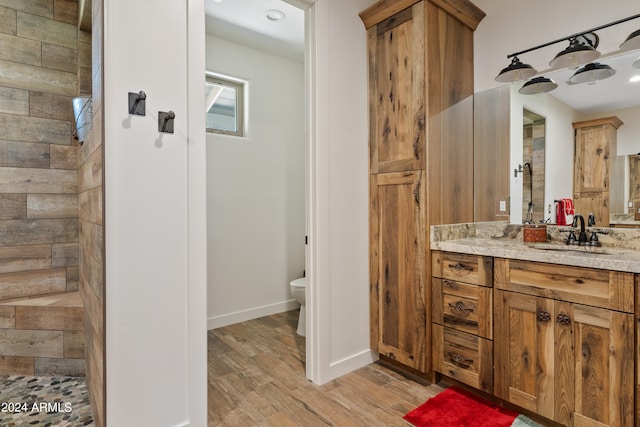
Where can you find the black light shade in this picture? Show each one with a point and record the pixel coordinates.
(632, 42)
(574, 55)
(515, 71)
(591, 73)
(538, 85)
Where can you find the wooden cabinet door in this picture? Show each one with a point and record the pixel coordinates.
(398, 275)
(568, 362)
(602, 383)
(523, 351)
(595, 203)
(592, 159)
(397, 91)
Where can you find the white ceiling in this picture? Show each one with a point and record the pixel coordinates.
(515, 25)
(510, 26)
(244, 21)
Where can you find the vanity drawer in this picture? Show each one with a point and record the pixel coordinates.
(589, 286)
(475, 269)
(462, 306)
(464, 357)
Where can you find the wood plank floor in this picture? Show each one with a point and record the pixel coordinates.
(257, 378)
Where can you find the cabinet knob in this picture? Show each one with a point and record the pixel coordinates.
(544, 316)
(563, 319)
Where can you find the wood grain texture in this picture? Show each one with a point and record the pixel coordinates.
(402, 275)
(257, 378)
(13, 206)
(50, 106)
(19, 49)
(31, 77)
(491, 147)
(463, 10)
(8, 21)
(16, 365)
(31, 283)
(34, 129)
(52, 206)
(14, 101)
(36, 27)
(602, 288)
(464, 357)
(399, 92)
(50, 318)
(595, 149)
(31, 343)
(23, 258)
(24, 154)
(449, 76)
(38, 231)
(36, 7)
(24, 180)
(64, 157)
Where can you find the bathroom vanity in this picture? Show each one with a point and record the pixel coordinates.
(545, 326)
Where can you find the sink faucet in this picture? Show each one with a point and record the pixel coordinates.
(582, 237)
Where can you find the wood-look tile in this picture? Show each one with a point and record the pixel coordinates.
(48, 106)
(18, 49)
(52, 206)
(50, 318)
(7, 317)
(28, 283)
(8, 21)
(59, 57)
(64, 255)
(14, 342)
(17, 365)
(24, 155)
(31, 77)
(38, 231)
(23, 258)
(36, 7)
(13, 206)
(65, 11)
(14, 101)
(257, 378)
(36, 27)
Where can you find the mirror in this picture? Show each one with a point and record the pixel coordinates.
(615, 96)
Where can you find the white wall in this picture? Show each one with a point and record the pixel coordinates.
(155, 286)
(559, 148)
(255, 185)
(340, 175)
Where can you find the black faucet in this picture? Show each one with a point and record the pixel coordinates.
(582, 237)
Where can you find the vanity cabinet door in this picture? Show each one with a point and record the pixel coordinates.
(603, 388)
(398, 267)
(524, 351)
(568, 362)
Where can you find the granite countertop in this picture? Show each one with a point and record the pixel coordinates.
(619, 251)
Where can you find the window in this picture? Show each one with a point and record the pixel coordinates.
(224, 105)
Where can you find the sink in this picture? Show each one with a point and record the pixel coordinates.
(569, 248)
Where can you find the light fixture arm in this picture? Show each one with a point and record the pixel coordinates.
(576, 35)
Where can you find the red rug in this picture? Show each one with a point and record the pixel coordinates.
(455, 407)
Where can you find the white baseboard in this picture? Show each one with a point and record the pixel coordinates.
(250, 314)
(351, 363)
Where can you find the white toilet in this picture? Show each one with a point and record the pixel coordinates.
(298, 290)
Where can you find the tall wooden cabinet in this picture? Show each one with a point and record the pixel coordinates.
(420, 56)
(596, 166)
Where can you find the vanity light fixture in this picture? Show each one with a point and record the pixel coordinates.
(581, 50)
(516, 71)
(538, 85)
(632, 42)
(591, 73)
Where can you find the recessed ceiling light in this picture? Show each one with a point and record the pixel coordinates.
(218, 1)
(274, 15)
(635, 79)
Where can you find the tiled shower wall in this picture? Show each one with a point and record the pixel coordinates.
(90, 212)
(38, 160)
